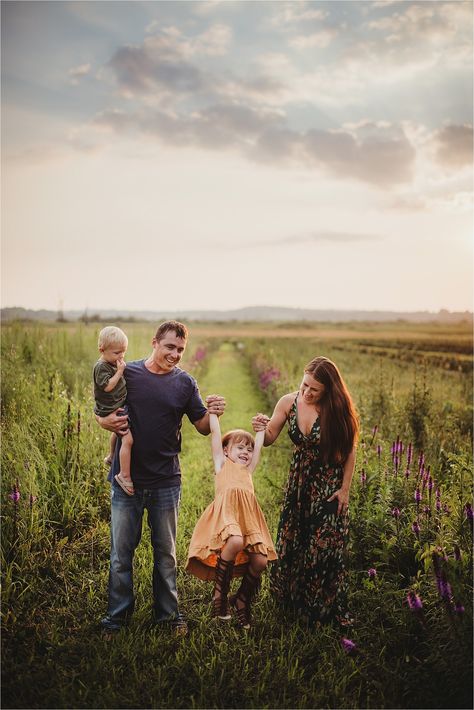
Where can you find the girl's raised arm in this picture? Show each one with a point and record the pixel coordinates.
(259, 437)
(216, 442)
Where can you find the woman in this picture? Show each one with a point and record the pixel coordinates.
(313, 527)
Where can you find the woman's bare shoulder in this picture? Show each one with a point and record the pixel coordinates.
(285, 402)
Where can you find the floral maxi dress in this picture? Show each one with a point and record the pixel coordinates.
(309, 577)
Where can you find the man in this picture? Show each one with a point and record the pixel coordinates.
(159, 394)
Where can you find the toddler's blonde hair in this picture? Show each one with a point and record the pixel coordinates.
(111, 335)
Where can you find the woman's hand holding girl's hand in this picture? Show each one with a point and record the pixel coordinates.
(342, 499)
(259, 422)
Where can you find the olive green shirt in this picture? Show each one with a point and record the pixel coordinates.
(107, 402)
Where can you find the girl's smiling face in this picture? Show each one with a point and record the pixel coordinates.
(239, 452)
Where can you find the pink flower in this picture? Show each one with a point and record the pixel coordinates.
(372, 572)
(349, 646)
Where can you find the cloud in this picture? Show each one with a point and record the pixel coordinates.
(454, 146)
(316, 237)
(77, 73)
(296, 12)
(320, 39)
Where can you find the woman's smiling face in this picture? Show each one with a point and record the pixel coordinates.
(312, 391)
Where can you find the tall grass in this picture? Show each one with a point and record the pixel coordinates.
(55, 539)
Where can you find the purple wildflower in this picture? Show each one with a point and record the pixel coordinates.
(469, 513)
(200, 354)
(15, 495)
(458, 608)
(430, 484)
(267, 376)
(416, 528)
(348, 645)
(395, 513)
(414, 601)
(372, 572)
(418, 496)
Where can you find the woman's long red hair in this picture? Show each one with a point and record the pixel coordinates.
(338, 418)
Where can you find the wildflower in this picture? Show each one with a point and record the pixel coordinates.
(267, 376)
(414, 602)
(409, 454)
(348, 645)
(444, 588)
(430, 484)
(372, 572)
(458, 608)
(426, 510)
(418, 496)
(395, 512)
(421, 461)
(438, 493)
(15, 494)
(200, 354)
(416, 528)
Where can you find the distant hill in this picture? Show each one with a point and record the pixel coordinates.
(252, 313)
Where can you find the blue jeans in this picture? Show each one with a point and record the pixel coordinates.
(162, 505)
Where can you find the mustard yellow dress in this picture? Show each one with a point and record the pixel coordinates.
(234, 511)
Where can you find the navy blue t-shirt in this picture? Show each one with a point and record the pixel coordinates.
(156, 406)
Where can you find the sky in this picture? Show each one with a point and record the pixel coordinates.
(216, 155)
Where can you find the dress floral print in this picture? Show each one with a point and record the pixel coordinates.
(309, 576)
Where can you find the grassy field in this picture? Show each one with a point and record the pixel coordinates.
(413, 389)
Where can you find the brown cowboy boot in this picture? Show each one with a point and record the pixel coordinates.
(223, 578)
(245, 593)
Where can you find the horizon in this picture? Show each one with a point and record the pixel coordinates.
(91, 311)
(223, 154)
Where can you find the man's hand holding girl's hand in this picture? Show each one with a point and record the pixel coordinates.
(215, 404)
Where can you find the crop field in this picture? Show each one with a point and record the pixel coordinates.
(410, 511)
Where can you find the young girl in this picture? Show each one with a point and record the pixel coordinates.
(231, 538)
(110, 393)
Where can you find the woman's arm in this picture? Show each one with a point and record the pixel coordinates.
(216, 443)
(259, 436)
(342, 494)
(277, 421)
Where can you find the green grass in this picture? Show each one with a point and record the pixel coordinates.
(55, 549)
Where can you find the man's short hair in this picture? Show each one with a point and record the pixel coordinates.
(111, 335)
(174, 325)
